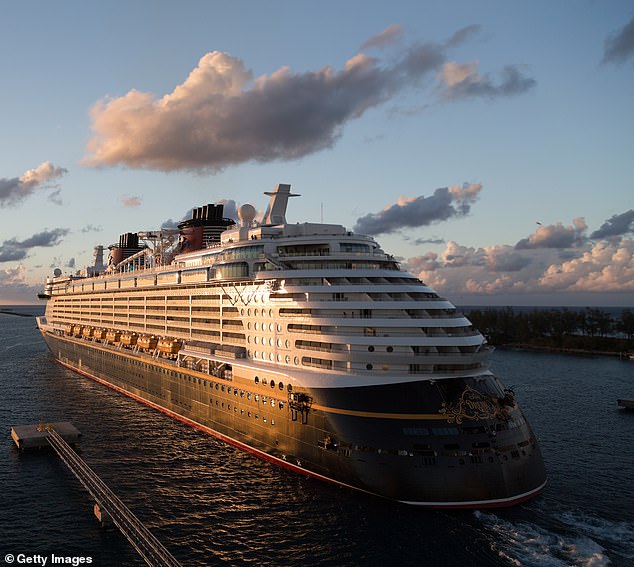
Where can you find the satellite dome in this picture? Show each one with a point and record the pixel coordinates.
(246, 214)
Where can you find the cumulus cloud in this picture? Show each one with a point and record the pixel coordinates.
(131, 201)
(388, 36)
(502, 270)
(14, 249)
(617, 225)
(221, 115)
(556, 236)
(16, 189)
(445, 203)
(620, 45)
(465, 81)
(605, 267)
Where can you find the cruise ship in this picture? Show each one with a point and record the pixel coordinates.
(304, 344)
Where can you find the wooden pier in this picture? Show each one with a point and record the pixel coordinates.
(626, 404)
(108, 507)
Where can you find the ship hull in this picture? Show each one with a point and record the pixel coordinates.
(440, 444)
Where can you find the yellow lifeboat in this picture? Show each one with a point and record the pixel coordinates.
(113, 336)
(129, 339)
(87, 332)
(147, 342)
(68, 329)
(99, 334)
(77, 330)
(169, 347)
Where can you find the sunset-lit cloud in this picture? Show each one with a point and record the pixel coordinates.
(223, 115)
(465, 81)
(13, 191)
(388, 36)
(556, 236)
(445, 203)
(555, 259)
(131, 201)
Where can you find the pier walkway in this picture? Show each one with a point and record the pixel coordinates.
(130, 526)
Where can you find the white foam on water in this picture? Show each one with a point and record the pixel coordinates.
(523, 543)
(619, 534)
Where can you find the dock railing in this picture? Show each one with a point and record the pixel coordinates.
(152, 551)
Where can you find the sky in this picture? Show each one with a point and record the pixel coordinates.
(489, 146)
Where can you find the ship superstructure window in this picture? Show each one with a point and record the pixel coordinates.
(304, 250)
(234, 270)
(243, 252)
(354, 248)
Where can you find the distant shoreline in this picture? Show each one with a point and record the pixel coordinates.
(559, 350)
(8, 312)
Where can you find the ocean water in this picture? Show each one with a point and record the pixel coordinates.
(210, 504)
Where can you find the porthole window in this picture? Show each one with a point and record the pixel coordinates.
(264, 419)
(279, 343)
(249, 414)
(263, 399)
(248, 395)
(279, 358)
(271, 357)
(256, 398)
(255, 326)
(272, 383)
(270, 324)
(287, 359)
(296, 361)
(256, 380)
(272, 403)
(281, 385)
(279, 328)
(272, 422)
(281, 405)
(370, 348)
(286, 343)
(390, 349)
(289, 387)
(369, 366)
(222, 387)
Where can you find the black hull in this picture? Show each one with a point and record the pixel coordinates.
(453, 443)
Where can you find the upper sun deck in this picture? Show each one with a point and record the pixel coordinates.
(250, 250)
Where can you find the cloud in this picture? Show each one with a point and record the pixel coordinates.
(13, 249)
(465, 81)
(620, 46)
(221, 115)
(445, 203)
(91, 228)
(15, 190)
(462, 35)
(556, 236)
(131, 201)
(605, 267)
(616, 225)
(502, 270)
(388, 36)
